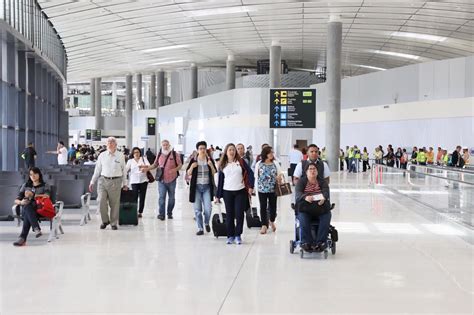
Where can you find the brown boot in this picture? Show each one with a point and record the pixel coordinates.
(273, 226)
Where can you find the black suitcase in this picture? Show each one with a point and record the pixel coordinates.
(253, 220)
(219, 224)
(128, 214)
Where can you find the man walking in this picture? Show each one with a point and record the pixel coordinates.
(168, 163)
(295, 157)
(110, 171)
(29, 155)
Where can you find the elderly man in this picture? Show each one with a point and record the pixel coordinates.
(110, 171)
(169, 163)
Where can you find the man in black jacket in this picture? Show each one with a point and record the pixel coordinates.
(29, 155)
(456, 157)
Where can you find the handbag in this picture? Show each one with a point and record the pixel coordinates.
(149, 175)
(282, 189)
(44, 207)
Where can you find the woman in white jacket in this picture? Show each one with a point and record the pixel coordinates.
(267, 174)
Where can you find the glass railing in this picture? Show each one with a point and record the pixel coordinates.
(449, 192)
(28, 19)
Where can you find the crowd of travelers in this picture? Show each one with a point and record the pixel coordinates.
(352, 157)
(231, 174)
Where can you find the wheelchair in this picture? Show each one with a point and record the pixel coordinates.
(331, 240)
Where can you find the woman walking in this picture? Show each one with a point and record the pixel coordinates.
(201, 170)
(138, 179)
(268, 174)
(235, 184)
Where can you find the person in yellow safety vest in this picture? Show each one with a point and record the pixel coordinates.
(430, 156)
(365, 160)
(351, 160)
(323, 154)
(421, 157)
(357, 157)
(445, 158)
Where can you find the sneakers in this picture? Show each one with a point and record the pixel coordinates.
(114, 227)
(161, 217)
(20, 242)
(104, 225)
(208, 228)
(238, 240)
(170, 217)
(140, 215)
(200, 232)
(230, 240)
(37, 232)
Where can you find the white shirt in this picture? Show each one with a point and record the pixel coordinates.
(62, 156)
(233, 179)
(216, 155)
(295, 156)
(299, 171)
(136, 175)
(110, 165)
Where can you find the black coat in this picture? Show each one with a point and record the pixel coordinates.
(193, 183)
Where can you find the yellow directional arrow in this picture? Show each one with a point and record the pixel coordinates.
(277, 93)
(277, 101)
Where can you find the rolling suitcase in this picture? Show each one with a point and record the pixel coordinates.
(251, 216)
(128, 214)
(219, 227)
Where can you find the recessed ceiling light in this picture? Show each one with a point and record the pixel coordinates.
(370, 67)
(164, 48)
(219, 11)
(168, 62)
(396, 54)
(428, 37)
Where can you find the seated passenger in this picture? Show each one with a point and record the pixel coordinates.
(34, 187)
(312, 203)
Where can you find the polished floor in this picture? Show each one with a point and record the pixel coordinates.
(395, 255)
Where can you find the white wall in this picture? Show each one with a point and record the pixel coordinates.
(444, 123)
(444, 79)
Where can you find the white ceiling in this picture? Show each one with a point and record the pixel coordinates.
(108, 37)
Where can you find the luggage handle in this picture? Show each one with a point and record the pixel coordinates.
(219, 209)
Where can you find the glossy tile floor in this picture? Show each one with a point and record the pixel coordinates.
(395, 256)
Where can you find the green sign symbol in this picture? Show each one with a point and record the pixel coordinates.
(307, 93)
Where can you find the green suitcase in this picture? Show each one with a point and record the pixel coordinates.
(128, 214)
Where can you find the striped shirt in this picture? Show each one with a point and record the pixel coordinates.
(202, 172)
(312, 189)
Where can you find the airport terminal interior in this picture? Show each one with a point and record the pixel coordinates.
(236, 157)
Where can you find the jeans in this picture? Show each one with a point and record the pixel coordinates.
(235, 203)
(30, 220)
(203, 198)
(352, 165)
(140, 190)
(305, 227)
(269, 199)
(164, 188)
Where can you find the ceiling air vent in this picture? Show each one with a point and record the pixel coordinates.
(386, 106)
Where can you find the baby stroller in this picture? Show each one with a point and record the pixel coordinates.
(331, 241)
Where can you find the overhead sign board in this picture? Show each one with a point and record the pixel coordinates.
(94, 134)
(293, 108)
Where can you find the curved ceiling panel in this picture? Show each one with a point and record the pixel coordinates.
(115, 37)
